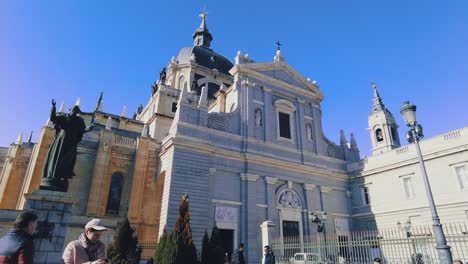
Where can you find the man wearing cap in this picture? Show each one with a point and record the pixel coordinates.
(88, 248)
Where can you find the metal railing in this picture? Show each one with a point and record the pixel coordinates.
(148, 250)
(396, 246)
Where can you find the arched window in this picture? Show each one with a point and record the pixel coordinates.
(379, 135)
(115, 194)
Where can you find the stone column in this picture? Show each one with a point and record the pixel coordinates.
(269, 117)
(323, 197)
(272, 214)
(250, 228)
(268, 233)
(96, 194)
(301, 138)
(310, 206)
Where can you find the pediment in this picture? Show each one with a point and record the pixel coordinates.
(283, 72)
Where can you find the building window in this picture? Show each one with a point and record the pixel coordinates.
(462, 177)
(365, 195)
(379, 135)
(115, 194)
(174, 107)
(408, 187)
(285, 119)
(285, 125)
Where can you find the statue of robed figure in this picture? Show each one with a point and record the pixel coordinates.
(61, 157)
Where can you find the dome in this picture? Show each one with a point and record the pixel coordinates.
(205, 57)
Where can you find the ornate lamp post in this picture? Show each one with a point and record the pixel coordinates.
(414, 135)
(318, 218)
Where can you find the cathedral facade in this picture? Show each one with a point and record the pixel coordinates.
(245, 141)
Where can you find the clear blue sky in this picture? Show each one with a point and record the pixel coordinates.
(414, 50)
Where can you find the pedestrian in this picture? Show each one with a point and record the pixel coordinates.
(377, 261)
(268, 256)
(238, 255)
(17, 246)
(88, 248)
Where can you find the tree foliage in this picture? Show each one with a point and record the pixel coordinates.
(186, 251)
(167, 248)
(178, 247)
(125, 249)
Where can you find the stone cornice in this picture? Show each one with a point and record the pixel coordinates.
(216, 201)
(405, 162)
(325, 189)
(271, 180)
(249, 177)
(309, 186)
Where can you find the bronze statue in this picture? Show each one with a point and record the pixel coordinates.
(61, 157)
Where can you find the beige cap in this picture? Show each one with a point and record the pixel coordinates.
(95, 224)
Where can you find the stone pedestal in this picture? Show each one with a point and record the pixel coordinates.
(54, 211)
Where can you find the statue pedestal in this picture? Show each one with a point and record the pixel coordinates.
(54, 185)
(54, 211)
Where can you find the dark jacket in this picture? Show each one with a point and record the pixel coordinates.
(269, 259)
(237, 257)
(16, 246)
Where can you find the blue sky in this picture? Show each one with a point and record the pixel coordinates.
(414, 50)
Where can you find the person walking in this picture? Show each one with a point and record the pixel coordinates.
(88, 248)
(377, 261)
(268, 256)
(238, 255)
(17, 246)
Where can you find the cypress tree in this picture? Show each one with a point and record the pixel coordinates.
(160, 248)
(166, 250)
(186, 252)
(125, 248)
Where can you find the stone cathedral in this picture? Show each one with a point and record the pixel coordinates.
(243, 138)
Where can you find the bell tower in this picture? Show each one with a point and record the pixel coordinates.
(382, 126)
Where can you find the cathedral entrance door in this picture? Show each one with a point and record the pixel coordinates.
(291, 236)
(227, 236)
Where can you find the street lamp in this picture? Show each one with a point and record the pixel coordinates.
(407, 227)
(414, 135)
(318, 218)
